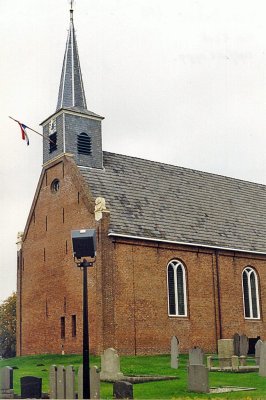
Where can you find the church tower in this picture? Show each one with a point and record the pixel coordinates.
(73, 129)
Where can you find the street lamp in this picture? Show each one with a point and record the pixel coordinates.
(84, 251)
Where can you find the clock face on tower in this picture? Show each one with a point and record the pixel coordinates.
(52, 126)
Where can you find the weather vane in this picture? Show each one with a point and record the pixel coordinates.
(71, 5)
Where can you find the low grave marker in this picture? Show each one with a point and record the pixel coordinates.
(31, 387)
(122, 390)
(198, 379)
(225, 352)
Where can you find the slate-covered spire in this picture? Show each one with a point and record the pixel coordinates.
(71, 90)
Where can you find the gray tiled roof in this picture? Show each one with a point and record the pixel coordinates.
(83, 111)
(161, 201)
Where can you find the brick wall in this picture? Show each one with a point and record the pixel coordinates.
(127, 285)
(51, 282)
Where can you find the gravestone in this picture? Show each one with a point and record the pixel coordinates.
(6, 383)
(243, 345)
(122, 390)
(196, 356)
(257, 351)
(225, 352)
(94, 382)
(262, 368)
(70, 382)
(174, 352)
(210, 363)
(198, 379)
(53, 382)
(235, 363)
(31, 387)
(61, 382)
(110, 366)
(236, 339)
(243, 361)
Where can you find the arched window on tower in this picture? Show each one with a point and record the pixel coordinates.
(84, 144)
(250, 293)
(177, 293)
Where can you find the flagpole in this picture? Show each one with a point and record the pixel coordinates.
(33, 130)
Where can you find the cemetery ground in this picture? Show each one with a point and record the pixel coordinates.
(39, 366)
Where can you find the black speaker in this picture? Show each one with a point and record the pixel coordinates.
(84, 243)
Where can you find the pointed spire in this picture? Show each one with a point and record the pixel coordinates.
(71, 90)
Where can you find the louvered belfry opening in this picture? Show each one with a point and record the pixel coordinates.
(53, 142)
(84, 144)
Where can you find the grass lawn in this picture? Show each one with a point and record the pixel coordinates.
(142, 365)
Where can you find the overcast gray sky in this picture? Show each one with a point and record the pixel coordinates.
(178, 81)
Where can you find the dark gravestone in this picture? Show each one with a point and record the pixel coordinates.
(122, 390)
(236, 339)
(31, 387)
(243, 345)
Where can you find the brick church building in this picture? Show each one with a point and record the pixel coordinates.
(179, 252)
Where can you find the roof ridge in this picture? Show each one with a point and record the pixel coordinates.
(188, 169)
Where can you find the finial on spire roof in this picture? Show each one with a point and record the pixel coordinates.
(71, 90)
(71, 9)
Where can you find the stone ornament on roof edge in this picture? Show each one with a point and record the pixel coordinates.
(99, 208)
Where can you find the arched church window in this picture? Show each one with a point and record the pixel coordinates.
(176, 284)
(84, 144)
(250, 293)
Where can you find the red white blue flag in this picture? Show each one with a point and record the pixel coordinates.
(24, 133)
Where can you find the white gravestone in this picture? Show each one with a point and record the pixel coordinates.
(110, 366)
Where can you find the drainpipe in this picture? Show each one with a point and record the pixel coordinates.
(218, 295)
(19, 286)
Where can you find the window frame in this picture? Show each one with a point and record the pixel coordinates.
(250, 301)
(175, 264)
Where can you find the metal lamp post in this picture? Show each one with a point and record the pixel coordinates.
(84, 245)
